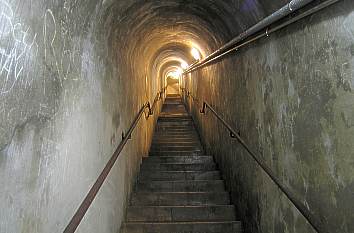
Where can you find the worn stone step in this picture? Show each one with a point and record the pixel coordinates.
(182, 186)
(175, 153)
(172, 123)
(176, 144)
(179, 175)
(210, 166)
(176, 135)
(181, 213)
(175, 128)
(174, 118)
(178, 132)
(170, 131)
(183, 227)
(195, 135)
(191, 150)
(169, 139)
(180, 198)
(178, 159)
(175, 148)
(167, 119)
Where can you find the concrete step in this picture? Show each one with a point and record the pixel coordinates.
(171, 143)
(179, 175)
(150, 167)
(183, 227)
(182, 142)
(170, 139)
(181, 213)
(169, 135)
(174, 118)
(182, 186)
(191, 150)
(176, 132)
(171, 123)
(176, 135)
(175, 128)
(175, 148)
(175, 153)
(180, 198)
(178, 159)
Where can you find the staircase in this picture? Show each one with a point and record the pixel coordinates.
(180, 189)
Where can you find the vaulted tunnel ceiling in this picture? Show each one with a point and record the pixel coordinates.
(151, 34)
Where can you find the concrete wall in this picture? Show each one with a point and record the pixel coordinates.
(291, 97)
(73, 74)
(62, 112)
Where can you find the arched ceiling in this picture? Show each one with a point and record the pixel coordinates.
(152, 34)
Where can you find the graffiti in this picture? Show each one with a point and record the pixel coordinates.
(49, 22)
(21, 44)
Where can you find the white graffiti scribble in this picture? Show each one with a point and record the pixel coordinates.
(49, 14)
(20, 45)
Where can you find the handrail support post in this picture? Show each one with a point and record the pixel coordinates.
(202, 111)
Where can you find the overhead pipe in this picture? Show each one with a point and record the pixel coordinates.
(286, 10)
(266, 32)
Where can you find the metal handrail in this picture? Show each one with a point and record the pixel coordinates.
(86, 203)
(315, 222)
(157, 99)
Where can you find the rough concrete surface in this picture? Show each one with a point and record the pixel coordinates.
(291, 97)
(73, 75)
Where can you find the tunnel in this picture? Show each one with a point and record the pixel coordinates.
(75, 75)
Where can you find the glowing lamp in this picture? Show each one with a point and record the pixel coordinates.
(195, 53)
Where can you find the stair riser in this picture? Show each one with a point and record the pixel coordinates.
(173, 143)
(175, 136)
(176, 143)
(175, 148)
(180, 214)
(168, 176)
(164, 140)
(183, 228)
(179, 188)
(170, 136)
(193, 132)
(175, 128)
(175, 123)
(185, 186)
(175, 153)
(179, 159)
(180, 199)
(150, 167)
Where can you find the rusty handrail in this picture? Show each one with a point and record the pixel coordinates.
(313, 220)
(86, 203)
(157, 99)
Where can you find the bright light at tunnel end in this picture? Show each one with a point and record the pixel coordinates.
(175, 74)
(196, 54)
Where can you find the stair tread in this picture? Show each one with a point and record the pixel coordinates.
(179, 188)
(183, 227)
